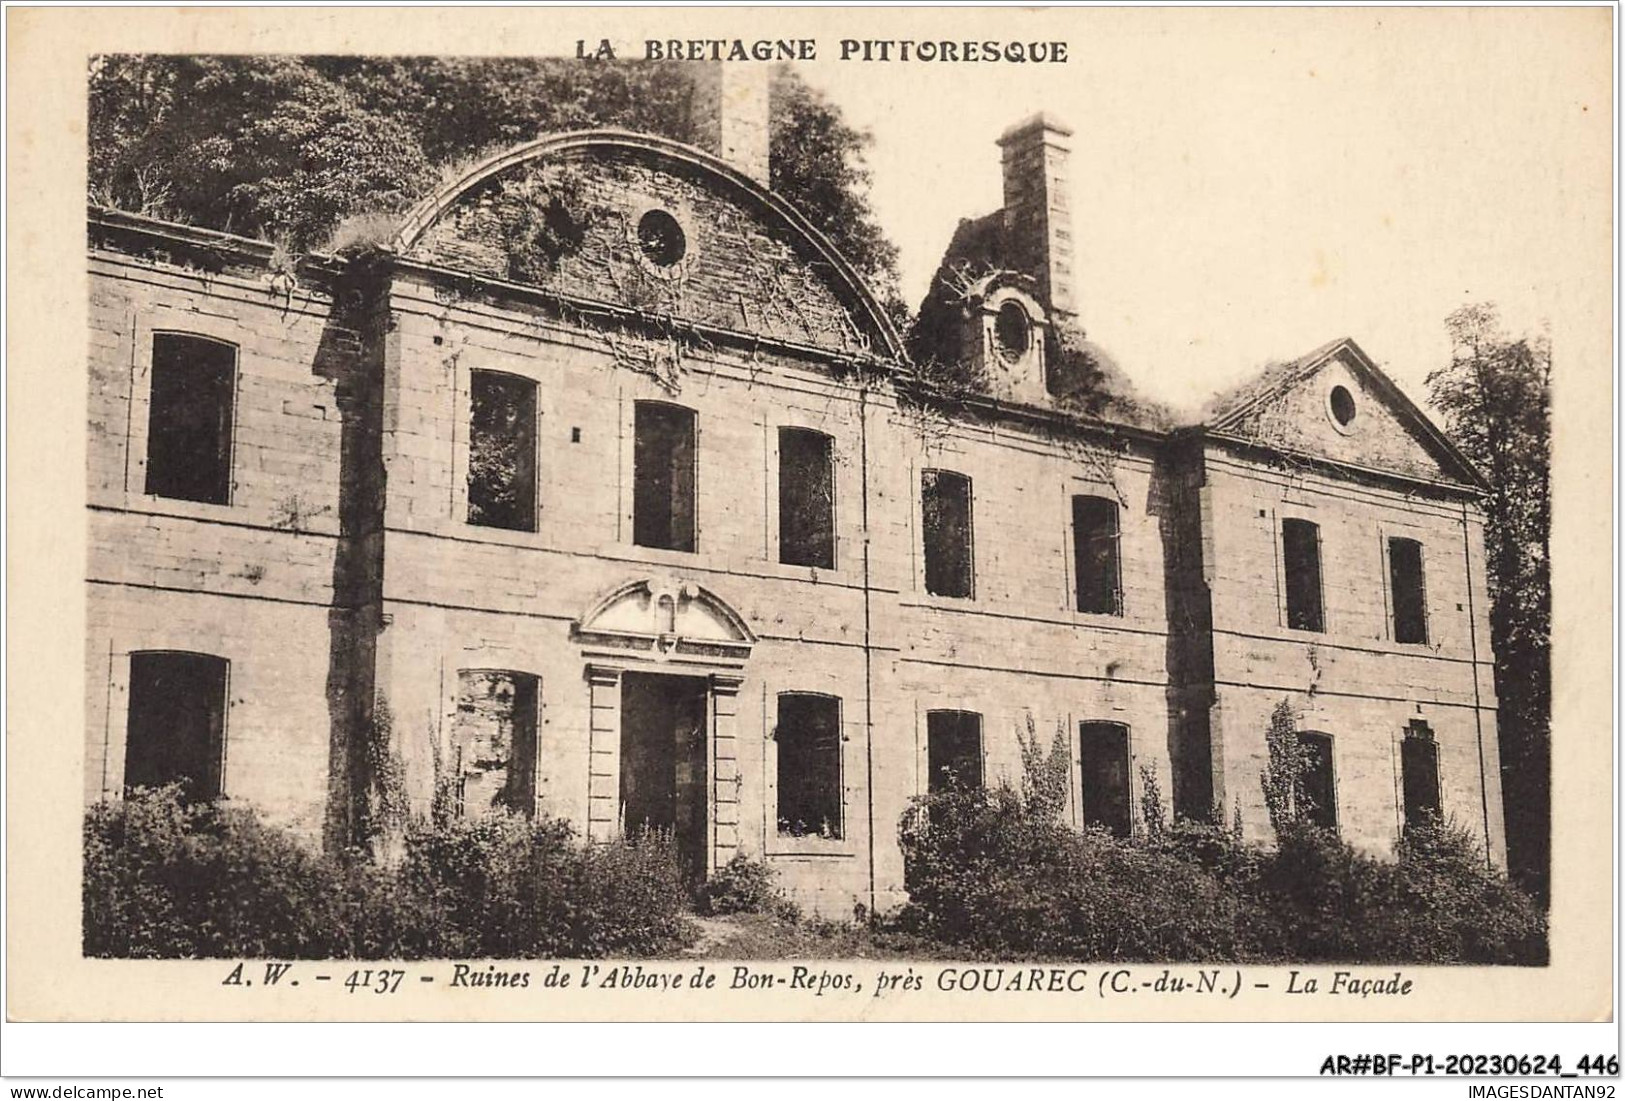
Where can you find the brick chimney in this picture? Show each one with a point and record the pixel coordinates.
(1037, 219)
(729, 113)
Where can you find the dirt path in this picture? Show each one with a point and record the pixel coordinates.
(714, 932)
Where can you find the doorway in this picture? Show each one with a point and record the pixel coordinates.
(663, 761)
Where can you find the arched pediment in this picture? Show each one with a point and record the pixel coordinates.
(593, 188)
(666, 617)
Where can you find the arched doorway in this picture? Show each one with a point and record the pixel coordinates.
(664, 659)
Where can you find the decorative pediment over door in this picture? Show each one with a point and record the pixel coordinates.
(666, 619)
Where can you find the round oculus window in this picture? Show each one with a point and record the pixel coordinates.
(1012, 331)
(1341, 403)
(661, 238)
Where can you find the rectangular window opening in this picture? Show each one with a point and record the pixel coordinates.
(502, 451)
(945, 507)
(1316, 790)
(663, 462)
(809, 772)
(953, 750)
(1103, 754)
(806, 499)
(1095, 531)
(1419, 767)
(1409, 590)
(177, 723)
(189, 420)
(492, 756)
(1300, 546)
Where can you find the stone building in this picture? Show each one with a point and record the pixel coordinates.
(607, 489)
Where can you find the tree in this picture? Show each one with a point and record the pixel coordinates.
(288, 147)
(1282, 777)
(262, 146)
(1495, 396)
(817, 162)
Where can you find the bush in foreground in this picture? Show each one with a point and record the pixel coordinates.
(164, 879)
(1437, 903)
(746, 886)
(996, 872)
(986, 873)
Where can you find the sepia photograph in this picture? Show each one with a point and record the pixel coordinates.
(919, 503)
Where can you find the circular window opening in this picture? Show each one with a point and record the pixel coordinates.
(1012, 332)
(1342, 403)
(661, 238)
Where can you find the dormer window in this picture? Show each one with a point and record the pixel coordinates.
(1012, 332)
(1005, 327)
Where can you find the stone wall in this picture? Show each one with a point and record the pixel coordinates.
(573, 226)
(1352, 680)
(250, 581)
(345, 573)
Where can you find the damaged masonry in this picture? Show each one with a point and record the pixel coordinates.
(608, 488)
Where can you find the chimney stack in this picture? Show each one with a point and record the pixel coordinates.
(1037, 219)
(729, 113)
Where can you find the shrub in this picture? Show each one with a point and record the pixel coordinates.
(167, 880)
(164, 879)
(1437, 903)
(746, 886)
(628, 898)
(997, 872)
(1469, 912)
(989, 872)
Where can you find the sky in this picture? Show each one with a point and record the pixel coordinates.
(1249, 184)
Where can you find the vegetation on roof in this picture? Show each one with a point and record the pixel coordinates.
(289, 148)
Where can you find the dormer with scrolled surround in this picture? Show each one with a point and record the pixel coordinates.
(648, 226)
(1006, 337)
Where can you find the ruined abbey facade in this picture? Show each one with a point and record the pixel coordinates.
(605, 489)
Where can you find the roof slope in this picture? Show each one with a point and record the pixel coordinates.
(1280, 408)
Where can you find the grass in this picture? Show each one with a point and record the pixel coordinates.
(771, 937)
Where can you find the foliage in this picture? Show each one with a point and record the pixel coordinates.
(542, 215)
(1438, 903)
(263, 145)
(501, 453)
(165, 880)
(985, 872)
(1153, 815)
(1088, 380)
(991, 872)
(1495, 396)
(292, 146)
(817, 162)
(1044, 776)
(1283, 774)
(746, 886)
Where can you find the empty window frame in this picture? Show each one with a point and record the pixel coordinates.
(953, 750)
(492, 758)
(176, 731)
(806, 498)
(1103, 767)
(189, 419)
(1408, 587)
(502, 451)
(1419, 771)
(1300, 550)
(809, 771)
(945, 517)
(1096, 563)
(663, 473)
(1316, 790)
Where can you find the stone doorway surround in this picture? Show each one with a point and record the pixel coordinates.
(675, 626)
